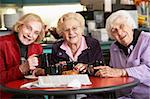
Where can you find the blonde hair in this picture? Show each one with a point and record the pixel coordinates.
(26, 18)
(125, 17)
(68, 16)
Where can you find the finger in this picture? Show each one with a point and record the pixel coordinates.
(32, 67)
(33, 72)
(99, 67)
(33, 61)
(98, 73)
(77, 68)
(82, 70)
(34, 58)
(79, 65)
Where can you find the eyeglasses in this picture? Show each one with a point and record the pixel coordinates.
(30, 29)
(75, 28)
(116, 29)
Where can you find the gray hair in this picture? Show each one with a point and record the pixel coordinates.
(68, 16)
(125, 17)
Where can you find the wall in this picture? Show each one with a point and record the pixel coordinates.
(49, 13)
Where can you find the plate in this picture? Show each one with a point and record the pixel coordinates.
(31, 77)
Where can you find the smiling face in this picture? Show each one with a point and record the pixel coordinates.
(72, 31)
(29, 32)
(121, 32)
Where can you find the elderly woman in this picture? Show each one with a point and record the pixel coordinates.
(75, 47)
(129, 53)
(18, 50)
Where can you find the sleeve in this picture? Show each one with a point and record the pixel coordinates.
(35, 49)
(138, 65)
(8, 72)
(54, 58)
(113, 56)
(141, 68)
(98, 53)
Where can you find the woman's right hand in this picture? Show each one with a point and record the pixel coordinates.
(29, 64)
(107, 71)
(24, 68)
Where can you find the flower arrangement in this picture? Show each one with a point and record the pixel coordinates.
(143, 8)
(138, 2)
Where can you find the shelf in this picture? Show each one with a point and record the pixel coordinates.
(37, 2)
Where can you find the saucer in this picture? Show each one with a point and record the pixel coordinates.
(30, 77)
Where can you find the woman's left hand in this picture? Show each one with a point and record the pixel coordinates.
(106, 71)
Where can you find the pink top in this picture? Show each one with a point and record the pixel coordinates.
(82, 47)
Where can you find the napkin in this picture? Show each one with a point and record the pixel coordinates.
(74, 83)
(30, 85)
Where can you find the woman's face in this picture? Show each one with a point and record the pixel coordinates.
(29, 32)
(72, 31)
(122, 32)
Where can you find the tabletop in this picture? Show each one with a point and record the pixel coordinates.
(98, 85)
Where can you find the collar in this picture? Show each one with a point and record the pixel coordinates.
(127, 50)
(23, 48)
(83, 46)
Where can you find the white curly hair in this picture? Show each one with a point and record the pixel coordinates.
(125, 17)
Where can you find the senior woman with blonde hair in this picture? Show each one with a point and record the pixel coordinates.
(129, 53)
(18, 50)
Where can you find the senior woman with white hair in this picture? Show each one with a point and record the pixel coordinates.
(129, 53)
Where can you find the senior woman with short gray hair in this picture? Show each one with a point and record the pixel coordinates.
(129, 53)
(75, 46)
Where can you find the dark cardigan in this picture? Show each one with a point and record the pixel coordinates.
(89, 56)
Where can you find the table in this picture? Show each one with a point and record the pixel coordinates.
(109, 85)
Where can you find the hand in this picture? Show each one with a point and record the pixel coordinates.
(81, 68)
(106, 71)
(24, 68)
(33, 61)
(38, 72)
